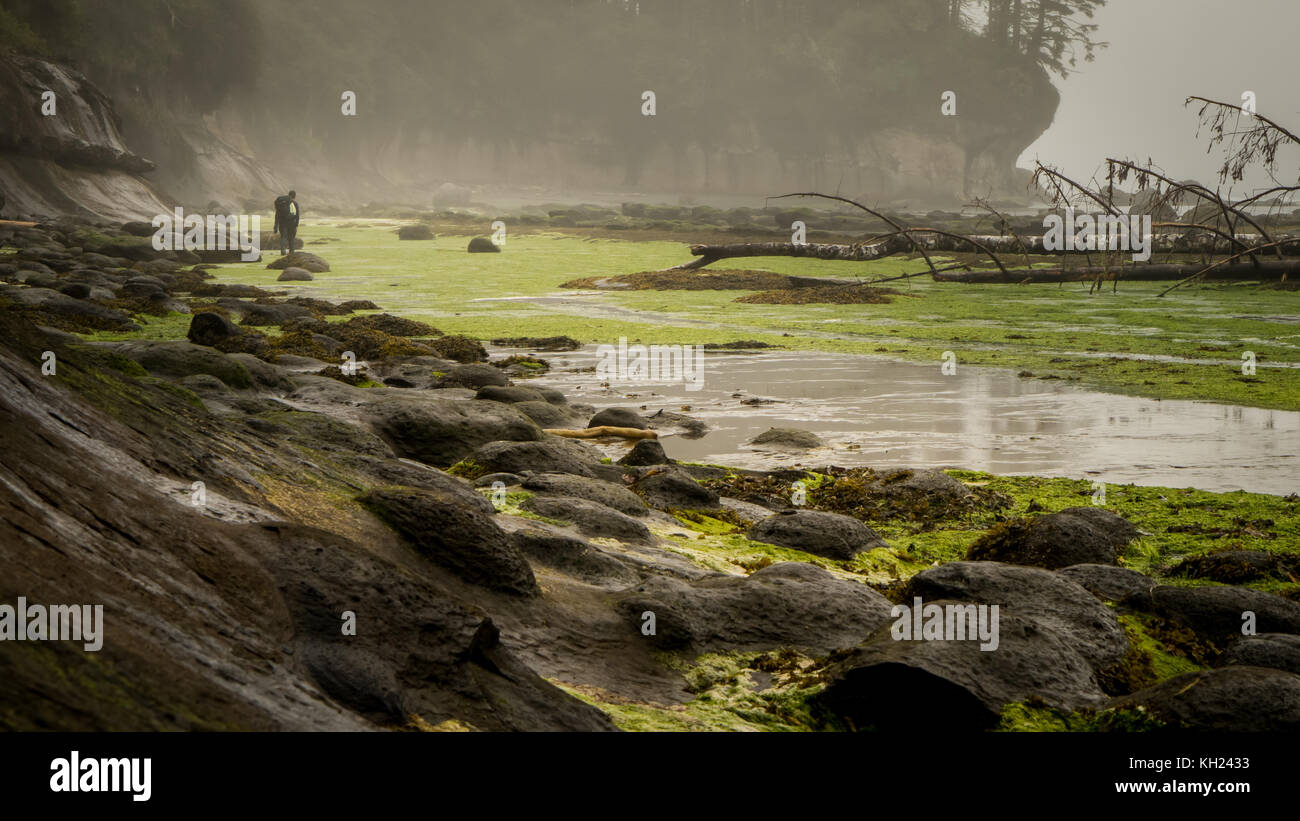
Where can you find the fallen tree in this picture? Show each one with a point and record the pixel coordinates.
(1167, 243)
(1110, 234)
(601, 431)
(1265, 270)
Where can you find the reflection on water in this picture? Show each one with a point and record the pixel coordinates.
(909, 415)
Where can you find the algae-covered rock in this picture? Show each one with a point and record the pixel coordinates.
(460, 537)
(788, 604)
(823, 534)
(179, 359)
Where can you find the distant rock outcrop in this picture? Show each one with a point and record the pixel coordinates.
(72, 162)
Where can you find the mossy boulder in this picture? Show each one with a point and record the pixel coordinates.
(459, 348)
(294, 274)
(180, 359)
(300, 259)
(823, 534)
(416, 232)
(1077, 535)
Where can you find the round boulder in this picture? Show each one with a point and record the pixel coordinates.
(1077, 535)
(787, 439)
(294, 275)
(300, 259)
(618, 418)
(824, 534)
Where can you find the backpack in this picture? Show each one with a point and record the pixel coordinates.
(283, 208)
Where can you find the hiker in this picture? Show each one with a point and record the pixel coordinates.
(286, 219)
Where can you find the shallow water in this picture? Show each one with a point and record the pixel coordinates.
(900, 414)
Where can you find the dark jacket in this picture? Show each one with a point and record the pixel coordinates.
(287, 213)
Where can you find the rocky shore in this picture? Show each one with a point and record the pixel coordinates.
(280, 542)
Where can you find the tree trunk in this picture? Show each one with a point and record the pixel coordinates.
(1190, 243)
(1269, 270)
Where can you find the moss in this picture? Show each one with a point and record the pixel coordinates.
(103, 358)
(709, 521)
(179, 391)
(531, 365)
(355, 379)
(1135, 720)
(727, 697)
(1036, 717)
(1051, 331)
(467, 469)
(459, 348)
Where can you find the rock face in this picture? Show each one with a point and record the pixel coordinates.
(1053, 638)
(228, 622)
(180, 359)
(825, 534)
(573, 556)
(210, 328)
(74, 163)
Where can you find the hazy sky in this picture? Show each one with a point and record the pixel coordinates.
(1128, 103)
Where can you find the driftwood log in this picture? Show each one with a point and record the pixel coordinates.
(603, 430)
(1266, 270)
(1192, 242)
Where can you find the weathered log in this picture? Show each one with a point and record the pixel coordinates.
(603, 430)
(1190, 242)
(1268, 269)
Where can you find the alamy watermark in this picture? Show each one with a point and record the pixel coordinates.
(211, 232)
(1098, 232)
(636, 364)
(77, 774)
(949, 622)
(56, 622)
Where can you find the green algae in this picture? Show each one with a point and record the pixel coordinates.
(732, 692)
(1048, 331)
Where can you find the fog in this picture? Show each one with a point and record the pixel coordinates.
(1129, 102)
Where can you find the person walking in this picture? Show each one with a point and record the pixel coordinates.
(286, 220)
